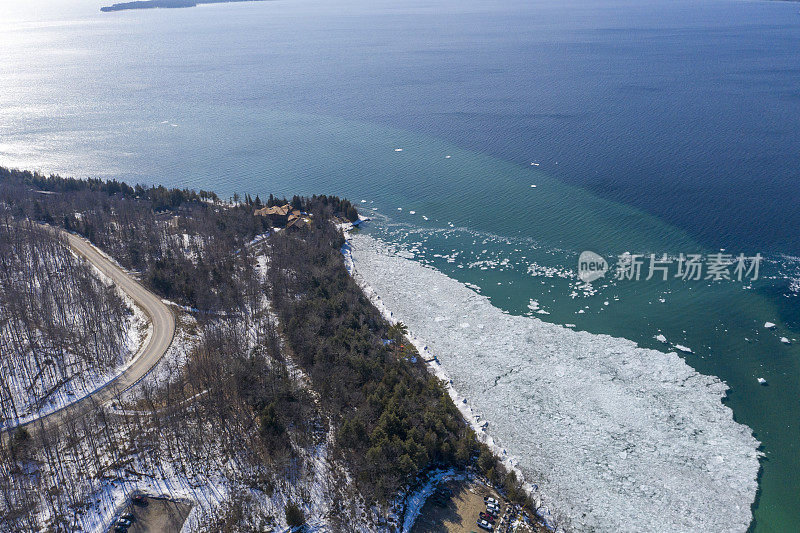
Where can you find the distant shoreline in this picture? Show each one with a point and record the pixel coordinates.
(166, 4)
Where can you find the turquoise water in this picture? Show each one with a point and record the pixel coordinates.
(659, 127)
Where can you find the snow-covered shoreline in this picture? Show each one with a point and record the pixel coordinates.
(616, 437)
(475, 421)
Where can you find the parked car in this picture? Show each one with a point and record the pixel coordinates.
(120, 529)
(489, 518)
(489, 499)
(128, 516)
(124, 522)
(483, 524)
(492, 508)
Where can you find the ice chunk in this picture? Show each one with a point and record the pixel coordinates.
(661, 338)
(785, 340)
(769, 325)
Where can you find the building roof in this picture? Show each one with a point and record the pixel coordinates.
(280, 211)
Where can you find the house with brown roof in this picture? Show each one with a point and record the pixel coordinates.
(284, 216)
(279, 215)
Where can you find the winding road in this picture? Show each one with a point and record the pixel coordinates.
(151, 351)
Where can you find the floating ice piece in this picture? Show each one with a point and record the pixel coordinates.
(683, 348)
(769, 325)
(174, 125)
(785, 340)
(363, 201)
(398, 149)
(762, 381)
(661, 338)
(569, 325)
(535, 164)
(412, 212)
(447, 157)
(165, 121)
(399, 208)
(424, 217)
(534, 186)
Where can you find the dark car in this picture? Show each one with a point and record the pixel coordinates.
(489, 518)
(124, 522)
(120, 529)
(128, 516)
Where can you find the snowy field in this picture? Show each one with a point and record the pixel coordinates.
(617, 437)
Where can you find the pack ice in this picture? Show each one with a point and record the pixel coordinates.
(617, 437)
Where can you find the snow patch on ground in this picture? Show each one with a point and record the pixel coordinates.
(619, 437)
(416, 500)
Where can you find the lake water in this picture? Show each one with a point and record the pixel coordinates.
(655, 126)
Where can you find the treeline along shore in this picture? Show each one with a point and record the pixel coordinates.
(288, 359)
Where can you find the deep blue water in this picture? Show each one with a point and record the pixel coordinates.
(658, 126)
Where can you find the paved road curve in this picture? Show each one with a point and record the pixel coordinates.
(154, 347)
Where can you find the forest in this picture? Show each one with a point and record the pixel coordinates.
(60, 324)
(284, 387)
